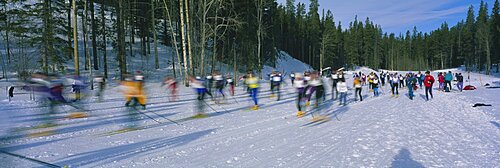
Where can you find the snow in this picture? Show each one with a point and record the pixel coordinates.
(377, 132)
(287, 64)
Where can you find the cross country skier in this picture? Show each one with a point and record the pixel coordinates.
(342, 88)
(441, 81)
(292, 77)
(316, 87)
(401, 81)
(300, 85)
(41, 85)
(209, 83)
(428, 82)
(460, 82)
(101, 85)
(357, 85)
(198, 85)
(171, 85)
(131, 90)
(382, 78)
(395, 84)
(420, 78)
(253, 85)
(363, 79)
(276, 82)
(411, 81)
(370, 80)
(230, 81)
(448, 77)
(335, 79)
(219, 85)
(375, 85)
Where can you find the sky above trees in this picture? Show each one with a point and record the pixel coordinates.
(397, 16)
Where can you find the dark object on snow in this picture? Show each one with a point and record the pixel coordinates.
(493, 87)
(480, 104)
(11, 91)
(487, 84)
(469, 87)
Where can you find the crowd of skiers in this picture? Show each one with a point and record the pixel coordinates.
(307, 85)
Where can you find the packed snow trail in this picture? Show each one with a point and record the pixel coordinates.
(377, 132)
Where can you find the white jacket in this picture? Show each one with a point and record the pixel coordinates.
(342, 87)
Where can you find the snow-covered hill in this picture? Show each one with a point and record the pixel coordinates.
(286, 64)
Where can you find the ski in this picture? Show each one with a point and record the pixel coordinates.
(121, 131)
(31, 159)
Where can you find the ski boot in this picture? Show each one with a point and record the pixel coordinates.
(255, 107)
(77, 115)
(308, 103)
(272, 96)
(300, 114)
(200, 115)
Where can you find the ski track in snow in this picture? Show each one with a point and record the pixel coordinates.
(378, 132)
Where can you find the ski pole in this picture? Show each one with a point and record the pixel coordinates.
(31, 159)
(210, 106)
(147, 116)
(164, 117)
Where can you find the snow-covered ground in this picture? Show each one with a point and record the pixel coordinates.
(377, 132)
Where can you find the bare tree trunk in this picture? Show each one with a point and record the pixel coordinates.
(214, 50)
(488, 57)
(174, 38)
(70, 45)
(121, 40)
(75, 42)
(183, 40)
(153, 20)
(94, 35)
(259, 37)
(188, 34)
(84, 29)
(104, 56)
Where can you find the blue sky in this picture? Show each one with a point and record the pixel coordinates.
(397, 16)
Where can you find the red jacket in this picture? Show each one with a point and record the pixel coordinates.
(441, 78)
(429, 80)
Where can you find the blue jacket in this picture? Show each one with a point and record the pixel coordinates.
(448, 77)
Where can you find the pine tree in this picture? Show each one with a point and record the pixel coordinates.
(495, 35)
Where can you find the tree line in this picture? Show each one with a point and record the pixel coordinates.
(245, 35)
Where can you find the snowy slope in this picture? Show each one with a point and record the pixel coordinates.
(287, 64)
(378, 132)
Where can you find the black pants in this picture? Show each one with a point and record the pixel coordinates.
(401, 84)
(276, 89)
(320, 92)
(428, 90)
(300, 96)
(447, 85)
(356, 93)
(394, 87)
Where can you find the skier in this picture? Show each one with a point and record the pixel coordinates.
(219, 85)
(335, 79)
(101, 85)
(401, 81)
(363, 79)
(382, 78)
(209, 83)
(441, 81)
(448, 77)
(229, 80)
(134, 91)
(375, 84)
(395, 84)
(276, 83)
(171, 84)
(198, 85)
(370, 80)
(420, 78)
(300, 85)
(253, 85)
(357, 86)
(428, 82)
(316, 87)
(292, 77)
(411, 81)
(342, 88)
(460, 82)
(76, 87)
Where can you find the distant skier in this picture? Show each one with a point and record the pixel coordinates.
(428, 82)
(171, 84)
(420, 78)
(335, 79)
(401, 81)
(382, 78)
(101, 86)
(448, 77)
(292, 77)
(253, 85)
(317, 88)
(219, 86)
(276, 84)
(230, 82)
(441, 81)
(357, 85)
(395, 85)
(342, 88)
(460, 82)
(300, 85)
(411, 81)
(198, 85)
(375, 85)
